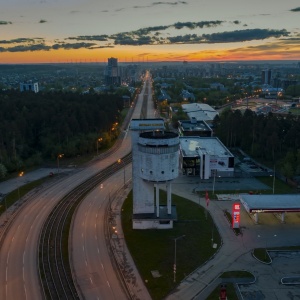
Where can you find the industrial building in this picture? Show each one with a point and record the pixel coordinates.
(155, 163)
(205, 157)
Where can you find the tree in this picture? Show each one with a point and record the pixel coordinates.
(3, 171)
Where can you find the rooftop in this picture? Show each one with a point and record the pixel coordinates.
(211, 145)
(190, 126)
(271, 203)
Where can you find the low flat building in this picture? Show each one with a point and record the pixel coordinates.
(194, 128)
(205, 157)
(200, 111)
(278, 204)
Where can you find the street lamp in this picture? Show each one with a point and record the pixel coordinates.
(58, 157)
(98, 140)
(175, 245)
(274, 180)
(20, 175)
(121, 161)
(259, 236)
(215, 171)
(5, 204)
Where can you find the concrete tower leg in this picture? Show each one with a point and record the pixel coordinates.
(157, 200)
(256, 218)
(282, 217)
(169, 198)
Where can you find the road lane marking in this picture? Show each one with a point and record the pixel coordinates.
(108, 283)
(98, 250)
(25, 291)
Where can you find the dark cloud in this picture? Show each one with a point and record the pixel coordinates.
(101, 38)
(185, 39)
(5, 23)
(133, 41)
(102, 47)
(21, 41)
(168, 3)
(26, 48)
(57, 46)
(153, 4)
(42, 21)
(243, 35)
(69, 46)
(295, 9)
(148, 30)
(194, 25)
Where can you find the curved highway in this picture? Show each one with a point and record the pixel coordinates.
(18, 255)
(91, 258)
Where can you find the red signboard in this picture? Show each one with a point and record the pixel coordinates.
(236, 215)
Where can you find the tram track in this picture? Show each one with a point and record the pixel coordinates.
(54, 266)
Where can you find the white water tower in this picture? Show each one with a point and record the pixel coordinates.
(155, 162)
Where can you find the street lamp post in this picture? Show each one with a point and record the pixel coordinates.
(274, 180)
(98, 140)
(58, 157)
(175, 258)
(5, 204)
(215, 171)
(121, 161)
(20, 175)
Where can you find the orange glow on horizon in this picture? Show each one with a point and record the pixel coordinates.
(148, 54)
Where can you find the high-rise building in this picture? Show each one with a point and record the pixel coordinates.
(29, 86)
(112, 72)
(266, 76)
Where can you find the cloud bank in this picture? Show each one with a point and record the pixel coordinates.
(155, 35)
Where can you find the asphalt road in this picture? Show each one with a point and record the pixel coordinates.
(90, 255)
(19, 278)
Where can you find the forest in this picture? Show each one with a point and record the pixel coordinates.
(273, 139)
(39, 126)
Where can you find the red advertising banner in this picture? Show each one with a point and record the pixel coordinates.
(236, 207)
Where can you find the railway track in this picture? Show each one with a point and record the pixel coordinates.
(55, 271)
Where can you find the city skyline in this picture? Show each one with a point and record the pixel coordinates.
(48, 31)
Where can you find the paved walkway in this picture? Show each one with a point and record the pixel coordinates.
(235, 253)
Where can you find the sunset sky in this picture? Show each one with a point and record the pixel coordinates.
(37, 31)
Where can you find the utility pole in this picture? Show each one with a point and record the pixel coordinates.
(175, 254)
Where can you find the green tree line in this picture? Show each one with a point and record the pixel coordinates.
(273, 139)
(35, 127)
